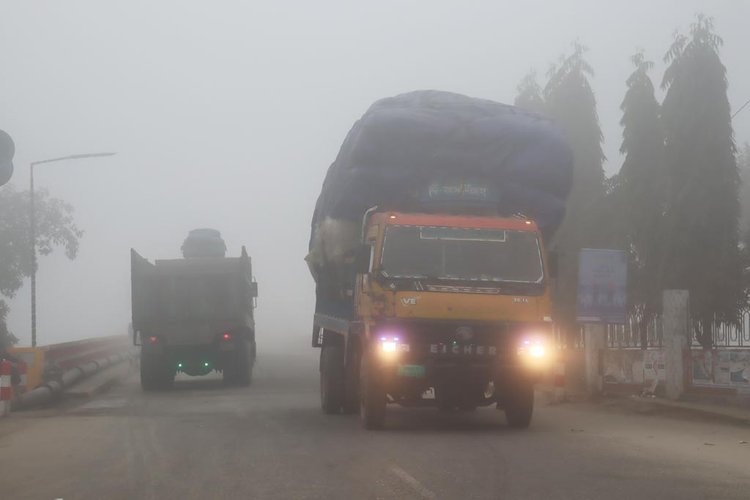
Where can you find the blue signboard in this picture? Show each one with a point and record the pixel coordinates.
(602, 286)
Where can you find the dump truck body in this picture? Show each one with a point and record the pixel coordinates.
(194, 316)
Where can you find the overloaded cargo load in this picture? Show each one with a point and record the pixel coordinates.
(203, 243)
(428, 151)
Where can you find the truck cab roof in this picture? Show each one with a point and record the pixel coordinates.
(468, 221)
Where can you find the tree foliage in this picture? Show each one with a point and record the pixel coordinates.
(702, 212)
(570, 100)
(675, 203)
(55, 228)
(530, 94)
(7, 339)
(743, 163)
(641, 197)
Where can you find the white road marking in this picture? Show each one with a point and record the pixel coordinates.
(418, 487)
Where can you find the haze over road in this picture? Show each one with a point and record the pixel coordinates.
(271, 440)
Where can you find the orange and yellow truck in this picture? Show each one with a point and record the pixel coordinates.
(438, 294)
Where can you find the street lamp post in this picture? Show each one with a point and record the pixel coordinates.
(32, 217)
(741, 108)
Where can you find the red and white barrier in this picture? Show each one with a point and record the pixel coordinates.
(6, 389)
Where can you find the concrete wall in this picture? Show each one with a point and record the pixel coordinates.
(634, 367)
(720, 368)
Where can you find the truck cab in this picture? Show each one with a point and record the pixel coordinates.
(449, 310)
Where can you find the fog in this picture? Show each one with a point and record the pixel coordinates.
(227, 115)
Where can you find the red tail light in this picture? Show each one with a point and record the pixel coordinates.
(153, 340)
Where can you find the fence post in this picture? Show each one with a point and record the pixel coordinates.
(595, 339)
(676, 330)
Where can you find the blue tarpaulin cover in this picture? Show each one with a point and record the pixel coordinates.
(403, 144)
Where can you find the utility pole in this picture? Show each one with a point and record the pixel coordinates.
(32, 219)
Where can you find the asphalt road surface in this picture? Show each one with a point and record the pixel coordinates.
(271, 440)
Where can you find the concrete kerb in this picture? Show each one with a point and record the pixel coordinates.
(728, 413)
(736, 415)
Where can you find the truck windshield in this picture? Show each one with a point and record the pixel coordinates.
(462, 254)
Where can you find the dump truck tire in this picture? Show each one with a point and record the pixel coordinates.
(155, 374)
(239, 371)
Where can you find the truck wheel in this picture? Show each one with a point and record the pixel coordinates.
(332, 378)
(351, 379)
(148, 378)
(519, 405)
(372, 395)
(239, 371)
(155, 374)
(244, 365)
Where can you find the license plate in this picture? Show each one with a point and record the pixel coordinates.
(414, 371)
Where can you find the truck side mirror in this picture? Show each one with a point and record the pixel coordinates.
(552, 264)
(253, 289)
(362, 259)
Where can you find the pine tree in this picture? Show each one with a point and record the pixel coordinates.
(639, 197)
(530, 94)
(743, 163)
(569, 99)
(701, 218)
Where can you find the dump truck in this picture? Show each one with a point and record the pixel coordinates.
(433, 281)
(194, 315)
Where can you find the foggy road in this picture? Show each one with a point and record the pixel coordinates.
(271, 440)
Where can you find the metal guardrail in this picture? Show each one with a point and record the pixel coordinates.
(49, 370)
(564, 341)
(724, 334)
(47, 363)
(628, 336)
(625, 336)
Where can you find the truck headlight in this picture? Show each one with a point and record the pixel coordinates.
(390, 346)
(532, 349)
(536, 351)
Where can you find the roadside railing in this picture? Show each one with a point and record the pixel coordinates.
(47, 363)
(723, 334)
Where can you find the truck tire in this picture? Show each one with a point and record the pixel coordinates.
(351, 379)
(148, 377)
(519, 404)
(332, 378)
(372, 394)
(155, 373)
(239, 371)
